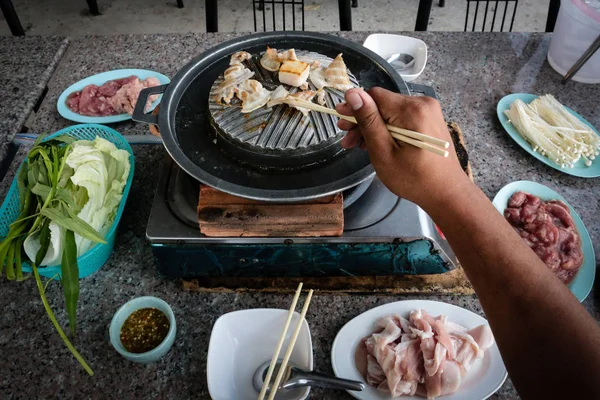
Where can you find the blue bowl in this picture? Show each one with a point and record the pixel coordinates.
(100, 79)
(582, 284)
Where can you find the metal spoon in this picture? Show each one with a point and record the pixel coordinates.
(401, 61)
(295, 377)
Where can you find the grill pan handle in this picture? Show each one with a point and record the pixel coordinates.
(421, 89)
(138, 113)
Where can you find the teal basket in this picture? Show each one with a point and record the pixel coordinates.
(94, 258)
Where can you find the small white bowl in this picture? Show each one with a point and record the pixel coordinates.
(241, 341)
(386, 44)
(125, 311)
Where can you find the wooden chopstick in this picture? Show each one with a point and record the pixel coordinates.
(393, 129)
(290, 348)
(419, 144)
(275, 357)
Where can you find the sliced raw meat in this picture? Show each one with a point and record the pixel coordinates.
(549, 230)
(113, 97)
(430, 360)
(375, 374)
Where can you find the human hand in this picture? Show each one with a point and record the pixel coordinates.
(409, 172)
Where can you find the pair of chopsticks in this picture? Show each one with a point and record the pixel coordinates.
(290, 348)
(416, 139)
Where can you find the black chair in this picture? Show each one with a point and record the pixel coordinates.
(491, 12)
(12, 19)
(552, 15)
(284, 14)
(345, 12)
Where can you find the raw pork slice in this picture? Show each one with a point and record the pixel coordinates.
(422, 355)
(549, 230)
(113, 97)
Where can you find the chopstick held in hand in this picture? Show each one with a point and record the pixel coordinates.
(416, 139)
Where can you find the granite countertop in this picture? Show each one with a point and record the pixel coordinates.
(25, 68)
(470, 72)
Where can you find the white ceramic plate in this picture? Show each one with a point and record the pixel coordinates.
(100, 79)
(386, 44)
(583, 282)
(241, 341)
(483, 379)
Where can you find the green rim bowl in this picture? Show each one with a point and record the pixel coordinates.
(582, 284)
(125, 311)
(579, 169)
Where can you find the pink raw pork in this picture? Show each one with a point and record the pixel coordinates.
(113, 97)
(423, 355)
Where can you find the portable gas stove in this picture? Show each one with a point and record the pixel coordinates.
(383, 235)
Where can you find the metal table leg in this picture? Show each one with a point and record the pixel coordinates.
(345, 15)
(212, 15)
(11, 17)
(179, 3)
(93, 6)
(552, 15)
(423, 15)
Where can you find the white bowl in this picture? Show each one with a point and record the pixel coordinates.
(386, 44)
(241, 341)
(125, 311)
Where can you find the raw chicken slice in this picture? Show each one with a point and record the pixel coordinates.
(483, 336)
(446, 381)
(442, 336)
(409, 361)
(375, 374)
(467, 349)
(423, 355)
(381, 346)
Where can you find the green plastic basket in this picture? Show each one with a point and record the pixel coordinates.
(95, 257)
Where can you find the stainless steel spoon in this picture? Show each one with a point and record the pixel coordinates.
(401, 61)
(295, 377)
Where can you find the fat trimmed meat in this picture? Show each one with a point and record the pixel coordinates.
(549, 230)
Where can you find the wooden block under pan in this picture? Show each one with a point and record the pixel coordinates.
(224, 215)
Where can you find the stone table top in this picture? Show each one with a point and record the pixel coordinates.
(470, 72)
(26, 65)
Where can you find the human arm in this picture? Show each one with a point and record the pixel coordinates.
(549, 343)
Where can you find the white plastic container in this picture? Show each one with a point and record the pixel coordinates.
(577, 26)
